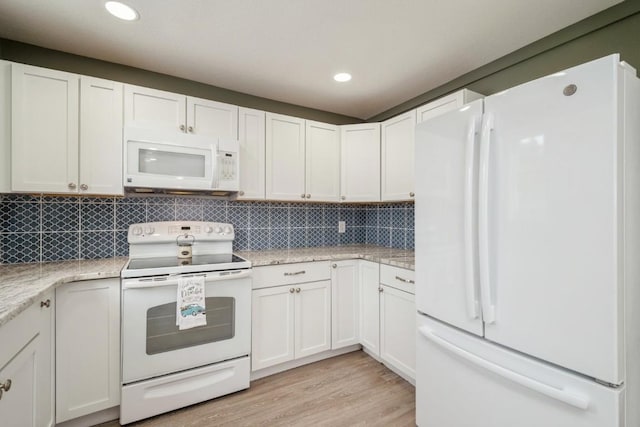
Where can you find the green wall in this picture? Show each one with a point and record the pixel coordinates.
(34, 55)
(615, 30)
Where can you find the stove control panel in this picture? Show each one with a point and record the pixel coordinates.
(172, 231)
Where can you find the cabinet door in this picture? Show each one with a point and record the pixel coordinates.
(88, 348)
(398, 330)
(5, 126)
(446, 103)
(360, 163)
(398, 136)
(312, 318)
(210, 118)
(44, 123)
(100, 136)
(285, 157)
(154, 109)
(272, 326)
(345, 304)
(251, 133)
(322, 162)
(26, 360)
(369, 281)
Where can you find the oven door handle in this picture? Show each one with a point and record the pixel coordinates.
(173, 280)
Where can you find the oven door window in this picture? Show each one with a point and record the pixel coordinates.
(164, 336)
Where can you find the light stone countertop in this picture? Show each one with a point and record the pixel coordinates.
(397, 257)
(23, 284)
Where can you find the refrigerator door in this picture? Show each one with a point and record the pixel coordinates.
(445, 215)
(550, 220)
(465, 381)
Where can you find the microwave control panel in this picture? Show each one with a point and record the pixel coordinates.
(227, 166)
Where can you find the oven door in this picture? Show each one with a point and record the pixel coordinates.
(152, 344)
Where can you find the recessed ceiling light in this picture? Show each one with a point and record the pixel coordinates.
(121, 10)
(342, 77)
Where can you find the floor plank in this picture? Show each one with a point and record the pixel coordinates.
(348, 390)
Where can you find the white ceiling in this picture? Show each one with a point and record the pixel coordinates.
(288, 50)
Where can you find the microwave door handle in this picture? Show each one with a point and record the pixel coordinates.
(214, 166)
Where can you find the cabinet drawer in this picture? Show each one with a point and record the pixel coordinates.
(399, 278)
(286, 274)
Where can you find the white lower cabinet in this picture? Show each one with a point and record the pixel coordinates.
(345, 304)
(87, 348)
(398, 330)
(290, 322)
(26, 367)
(369, 281)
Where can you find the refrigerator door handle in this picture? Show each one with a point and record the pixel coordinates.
(469, 246)
(573, 399)
(488, 307)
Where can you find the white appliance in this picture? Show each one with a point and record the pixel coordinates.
(154, 160)
(164, 367)
(528, 255)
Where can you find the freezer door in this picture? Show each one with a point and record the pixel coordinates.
(465, 381)
(550, 218)
(445, 217)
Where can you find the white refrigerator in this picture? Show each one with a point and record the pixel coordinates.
(528, 255)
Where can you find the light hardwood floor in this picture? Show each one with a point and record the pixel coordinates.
(348, 390)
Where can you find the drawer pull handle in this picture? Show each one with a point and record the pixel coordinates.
(402, 279)
(295, 273)
(47, 304)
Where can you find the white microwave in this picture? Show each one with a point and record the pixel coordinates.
(155, 160)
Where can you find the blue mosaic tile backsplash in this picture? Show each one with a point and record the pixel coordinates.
(47, 228)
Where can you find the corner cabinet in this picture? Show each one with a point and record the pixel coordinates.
(87, 348)
(76, 146)
(171, 112)
(251, 134)
(345, 304)
(26, 367)
(398, 135)
(291, 313)
(360, 162)
(322, 162)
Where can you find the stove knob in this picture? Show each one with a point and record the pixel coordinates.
(208, 229)
(149, 230)
(136, 231)
(227, 230)
(218, 230)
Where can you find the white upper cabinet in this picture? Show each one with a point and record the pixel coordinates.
(446, 103)
(166, 111)
(210, 118)
(251, 133)
(322, 148)
(360, 163)
(398, 134)
(100, 136)
(5, 126)
(44, 123)
(154, 109)
(285, 165)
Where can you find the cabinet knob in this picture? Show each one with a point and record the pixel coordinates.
(46, 303)
(343, 198)
(298, 290)
(182, 128)
(308, 196)
(291, 290)
(334, 265)
(240, 193)
(380, 289)
(84, 187)
(190, 129)
(303, 195)
(412, 194)
(72, 185)
(5, 387)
